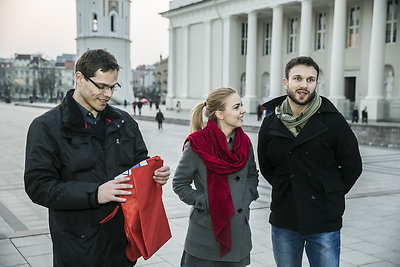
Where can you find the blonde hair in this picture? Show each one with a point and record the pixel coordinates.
(215, 101)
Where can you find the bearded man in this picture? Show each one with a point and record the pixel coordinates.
(310, 156)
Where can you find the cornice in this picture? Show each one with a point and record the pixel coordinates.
(211, 10)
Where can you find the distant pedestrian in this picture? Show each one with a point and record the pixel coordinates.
(364, 115)
(160, 118)
(140, 105)
(355, 115)
(157, 105)
(134, 104)
(178, 106)
(125, 103)
(151, 103)
(260, 110)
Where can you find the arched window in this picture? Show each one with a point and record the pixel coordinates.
(389, 82)
(265, 84)
(95, 23)
(243, 84)
(80, 23)
(126, 25)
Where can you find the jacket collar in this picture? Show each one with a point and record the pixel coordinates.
(326, 105)
(72, 116)
(314, 126)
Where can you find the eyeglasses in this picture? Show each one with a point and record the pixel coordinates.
(103, 88)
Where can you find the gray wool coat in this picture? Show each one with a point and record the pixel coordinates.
(200, 241)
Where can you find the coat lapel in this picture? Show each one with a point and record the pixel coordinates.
(313, 128)
(279, 129)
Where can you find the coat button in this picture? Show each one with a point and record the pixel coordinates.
(292, 176)
(290, 152)
(307, 153)
(240, 210)
(237, 178)
(82, 236)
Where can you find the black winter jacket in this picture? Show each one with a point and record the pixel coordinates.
(311, 173)
(65, 164)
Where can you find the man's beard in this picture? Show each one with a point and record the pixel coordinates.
(291, 95)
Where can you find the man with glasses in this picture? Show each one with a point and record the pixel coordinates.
(73, 153)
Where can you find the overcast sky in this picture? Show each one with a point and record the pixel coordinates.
(49, 27)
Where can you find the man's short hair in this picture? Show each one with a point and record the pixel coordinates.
(93, 60)
(308, 61)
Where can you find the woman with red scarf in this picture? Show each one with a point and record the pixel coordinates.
(219, 160)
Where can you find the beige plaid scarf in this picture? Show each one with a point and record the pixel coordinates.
(296, 124)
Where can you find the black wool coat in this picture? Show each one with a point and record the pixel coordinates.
(311, 173)
(65, 164)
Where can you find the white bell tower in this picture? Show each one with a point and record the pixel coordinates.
(106, 24)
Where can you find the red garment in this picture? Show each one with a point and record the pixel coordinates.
(146, 225)
(211, 146)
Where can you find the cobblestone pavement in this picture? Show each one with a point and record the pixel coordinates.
(370, 236)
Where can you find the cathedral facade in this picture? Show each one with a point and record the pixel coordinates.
(245, 44)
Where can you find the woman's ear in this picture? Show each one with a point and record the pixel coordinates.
(219, 114)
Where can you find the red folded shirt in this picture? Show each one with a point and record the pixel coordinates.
(146, 224)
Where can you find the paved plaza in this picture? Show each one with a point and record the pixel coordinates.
(370, 236)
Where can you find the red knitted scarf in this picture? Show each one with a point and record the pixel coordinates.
(211, 146)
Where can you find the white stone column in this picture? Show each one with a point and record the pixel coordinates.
(336, 79)
(377, 51)
(171, 69)
(185, 63)
(249, 100)
(207, 58)
(251, 58)
(226, 60)
(374, 99)
(305, 28)
(276, 53)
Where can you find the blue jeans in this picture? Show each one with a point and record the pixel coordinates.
(323, 250)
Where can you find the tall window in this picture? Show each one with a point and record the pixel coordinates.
(354, 22)
(292, 35)
(244, 39)
(113, 23)
(321, 31)
(267, 39)
(391, 21)
(95, 23)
